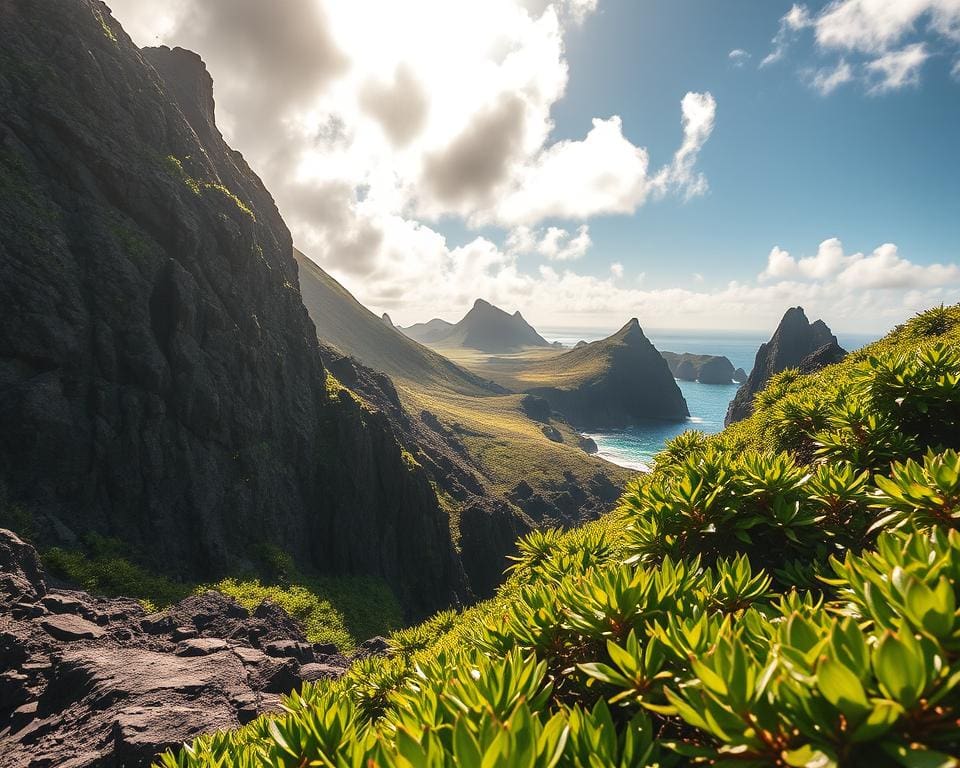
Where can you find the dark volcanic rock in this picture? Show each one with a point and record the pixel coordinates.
(685, 371)
(740, 376)
(551, 433)
(795, 339)
(536, 408)
(624, 379)
(75, 693)
(71, 628)
(828, 354)
(588, 444)
(716, 370)
(154, 335)
(707, 369)
(20, 575)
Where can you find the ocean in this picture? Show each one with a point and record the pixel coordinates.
(636, 446)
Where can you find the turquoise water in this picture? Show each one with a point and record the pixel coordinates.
(636, 446)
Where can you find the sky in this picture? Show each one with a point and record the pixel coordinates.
(693, 163)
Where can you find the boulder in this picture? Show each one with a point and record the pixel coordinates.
(290, 649)
(320, 671)
(588, 444)
(201, 646)
(20, 574)
(69, 628)
(551, 433)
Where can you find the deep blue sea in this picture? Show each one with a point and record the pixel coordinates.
(636, 446)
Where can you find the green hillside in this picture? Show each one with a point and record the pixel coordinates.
(346, 324)
(498, 472)
(783, 594)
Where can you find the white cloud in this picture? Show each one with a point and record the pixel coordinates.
(371, 121)
(738, 57)
(898, 69)
(827, 80)
(888, 41)
(797, 18)
(554, 243)
(616, 269)
(955, 70)
(883, 268)
(873, 26)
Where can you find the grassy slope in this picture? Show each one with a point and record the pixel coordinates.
(504, 444)
(534, 367)
(537, 608)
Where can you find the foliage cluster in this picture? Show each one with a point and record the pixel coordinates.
(785, 594)
(174, 166)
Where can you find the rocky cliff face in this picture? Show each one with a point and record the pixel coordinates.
(90, 681)
(707, 369)
(160, 379)
(795, 340)
(619, 380)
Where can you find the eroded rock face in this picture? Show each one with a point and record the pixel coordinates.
(97, 682)
(795, 340)
(154, 338)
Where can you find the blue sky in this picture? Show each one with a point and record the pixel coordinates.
(586, 161)
(786, 164)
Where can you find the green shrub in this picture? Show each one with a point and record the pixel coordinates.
(783, 594)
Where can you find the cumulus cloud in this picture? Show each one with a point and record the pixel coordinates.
(606, 173)
(616, 269)
(897, 69)
(828, 79)
(554, 243)
(884, 268)
(890, 41)
(400, 106)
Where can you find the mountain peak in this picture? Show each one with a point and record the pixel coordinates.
(795, 340)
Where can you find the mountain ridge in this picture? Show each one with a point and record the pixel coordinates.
(485, 327)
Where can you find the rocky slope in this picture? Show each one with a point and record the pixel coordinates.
(707, 369)
(94, 682)
(485, 327)
(160, 379)
(796, 342)
(609, 383)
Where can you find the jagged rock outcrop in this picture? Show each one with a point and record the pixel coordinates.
(740, 376)
(387, 321)
(828, 354)
(610, 383)
(795, 339)
(160, 380)
(90, 681)
(707, 369)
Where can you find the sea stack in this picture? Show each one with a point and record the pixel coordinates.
(797, 343)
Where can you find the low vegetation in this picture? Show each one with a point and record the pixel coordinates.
(343, 610)
(785, 594)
